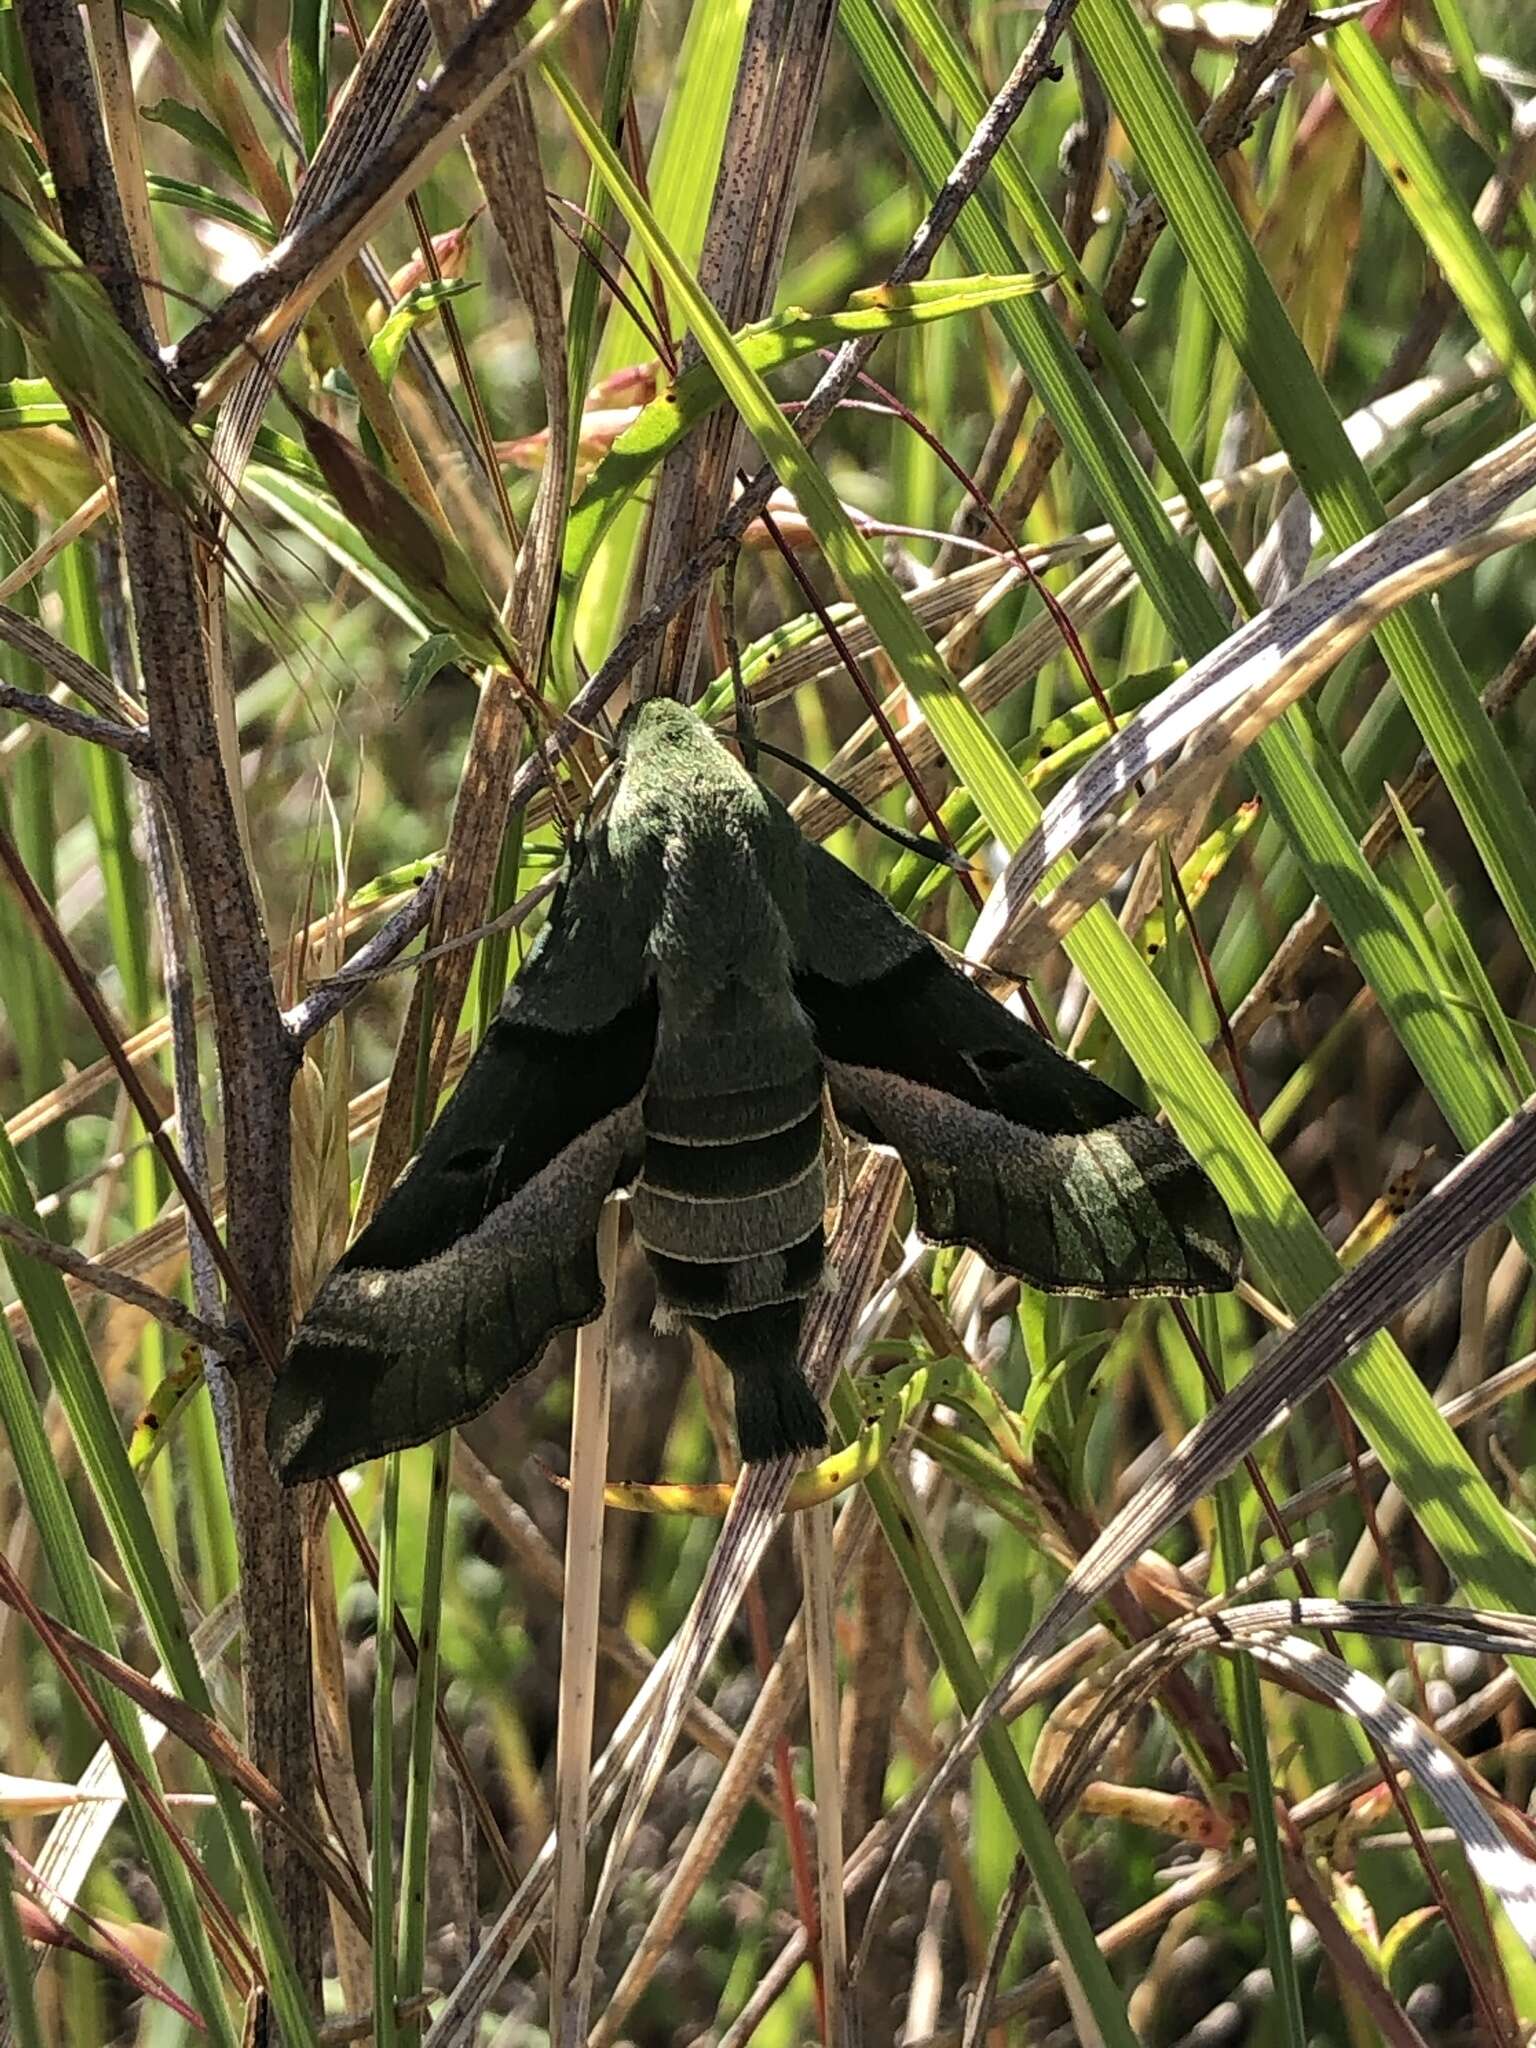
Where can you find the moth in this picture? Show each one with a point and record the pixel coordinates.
(707, 981)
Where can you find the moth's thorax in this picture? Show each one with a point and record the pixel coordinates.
(710, 859)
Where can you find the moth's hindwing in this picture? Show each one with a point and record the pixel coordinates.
(1010, 1147)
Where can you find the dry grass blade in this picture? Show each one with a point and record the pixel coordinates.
(1224, 702)
(456, 2023)
(568, 1993)
(813, 1541)
(1266, 1631)
(777, 1701)
(1126, 1680)
(504, 149)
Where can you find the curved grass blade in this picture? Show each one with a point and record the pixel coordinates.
(1480, 1190)
(1223, 703)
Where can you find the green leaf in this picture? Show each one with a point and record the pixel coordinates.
(194, 126)
(309, 51)
(1366, 90)
(419, 304)
(431, 564)
(766, 346)
(428, 661)
(1477, 770)
(297, 497)
(104, 1461)
(203, 199)
(30, 402)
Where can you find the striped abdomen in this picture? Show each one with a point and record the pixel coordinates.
(730, 1197)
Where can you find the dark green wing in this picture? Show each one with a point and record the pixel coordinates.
(1010, 1147)
(485, 1247)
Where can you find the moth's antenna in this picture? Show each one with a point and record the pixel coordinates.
(746, 718)
(914, 842)
(601, 787)
(751, 746)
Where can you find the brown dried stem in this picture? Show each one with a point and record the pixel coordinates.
(255, 1057)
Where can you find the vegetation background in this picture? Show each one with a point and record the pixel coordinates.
(278, 704)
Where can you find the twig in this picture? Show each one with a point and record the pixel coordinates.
(132, 744)
(124, 1288)
(70, 669)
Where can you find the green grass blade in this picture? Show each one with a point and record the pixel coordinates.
(418, 1784)
(80, 1596)
(1368, 95)
(385, 2031)
(62, 1344)
(1477, 771)
(20, 2007)
(1093, 437)
(942, 50)
(965, 737)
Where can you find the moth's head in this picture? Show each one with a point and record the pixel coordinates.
(665, 746)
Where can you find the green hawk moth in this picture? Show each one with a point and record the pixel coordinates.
(707, 980)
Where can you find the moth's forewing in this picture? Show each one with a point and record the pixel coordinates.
(1010, 1147)
(485, 1247)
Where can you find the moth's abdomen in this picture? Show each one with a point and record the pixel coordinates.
(733, 1224)
(729, 1202)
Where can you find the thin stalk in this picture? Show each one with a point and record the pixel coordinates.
(385, 2032)
(813, 1535)
(418, 1788)
(570, 1993)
